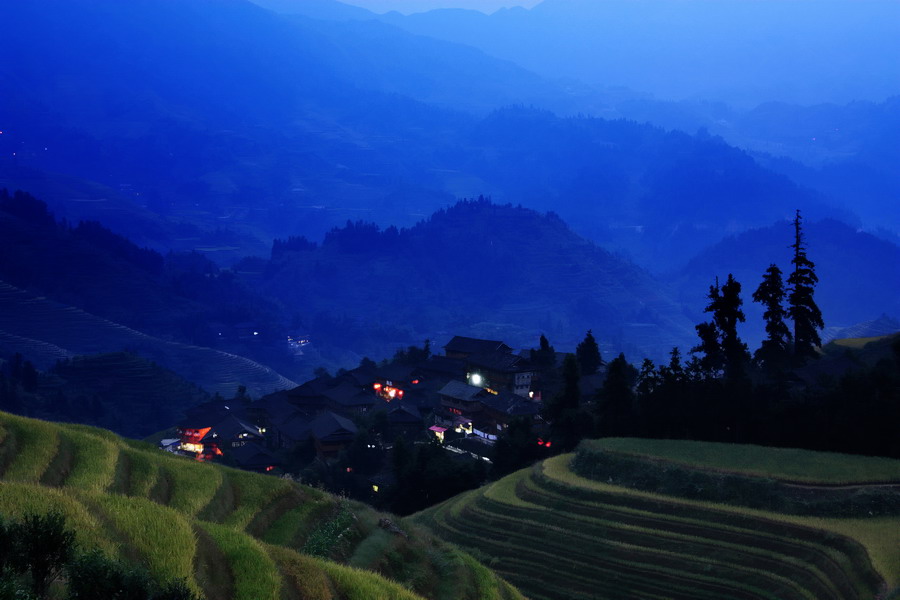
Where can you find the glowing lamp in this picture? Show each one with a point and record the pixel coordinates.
(476, 379)
(377, 386)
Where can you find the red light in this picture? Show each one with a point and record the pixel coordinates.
(415, 382)
(548, 444)
(269, 468)
(377, 386)
(349, 469)
(400, 393)
(540, 442)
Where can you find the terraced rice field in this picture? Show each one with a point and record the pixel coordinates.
(557, 535)
(230, 534)
(50, 330)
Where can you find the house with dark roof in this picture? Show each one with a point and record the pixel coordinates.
(404, 419)
(463, 347)
(501, 371)
(206, 443)
(332, 433)
(347, 397)
(500, 409)
(253, 457)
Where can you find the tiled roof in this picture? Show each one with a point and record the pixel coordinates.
(467, 345)
(461, 391)
(500, 361)
(331, 426)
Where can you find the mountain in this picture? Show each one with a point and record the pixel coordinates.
(241, 125)
(859, 274)
(109, 295)
(477, 268)
(803, 52)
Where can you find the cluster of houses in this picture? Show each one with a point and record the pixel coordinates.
(470, 394)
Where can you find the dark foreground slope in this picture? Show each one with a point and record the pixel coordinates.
(559, 535)
(231, 534)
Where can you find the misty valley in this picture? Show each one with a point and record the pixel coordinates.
(440, 299)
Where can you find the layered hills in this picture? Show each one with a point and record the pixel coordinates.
(480, 269)
(230, 534)
(290, 126)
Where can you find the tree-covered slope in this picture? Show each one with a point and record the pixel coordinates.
(480, 269)
(231, 534)
(587, 529)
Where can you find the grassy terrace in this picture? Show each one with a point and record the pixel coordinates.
(786, 464)
(557, 535)
(231, 534)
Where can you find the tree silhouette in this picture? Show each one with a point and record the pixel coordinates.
(802, 307)
(588, 354)
(722, 348)
(774, 352)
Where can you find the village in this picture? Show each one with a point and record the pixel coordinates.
(462, 401)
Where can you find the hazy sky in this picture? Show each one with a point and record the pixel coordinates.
(408, 6)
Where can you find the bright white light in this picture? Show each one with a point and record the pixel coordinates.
(476, 379)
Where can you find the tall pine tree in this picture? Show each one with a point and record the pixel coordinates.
(727, 317)
(774, 353)
(720, 344)
(802, 307)
(713, 361)
(588, 354)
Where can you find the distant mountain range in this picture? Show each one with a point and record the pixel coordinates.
(802, 52)
(240, 125)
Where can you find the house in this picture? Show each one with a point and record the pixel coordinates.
(332, 433)
(500, 409)
(404, 419)
(253, 457)
(347, 397)
(393, 381)
(210, 441)
(477, 411)
(460, 399)
(461, 347)
(500, 370)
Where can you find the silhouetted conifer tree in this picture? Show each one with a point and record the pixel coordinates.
(616, 398)
(774, 352)
(588, 354)
(713, 360)
(802, 307)
(720, 344)
(727, 317)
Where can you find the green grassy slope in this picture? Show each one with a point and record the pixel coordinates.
(787, 464)
(557, 535)
(231, 534)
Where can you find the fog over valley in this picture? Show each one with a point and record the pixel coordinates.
(630, 268)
